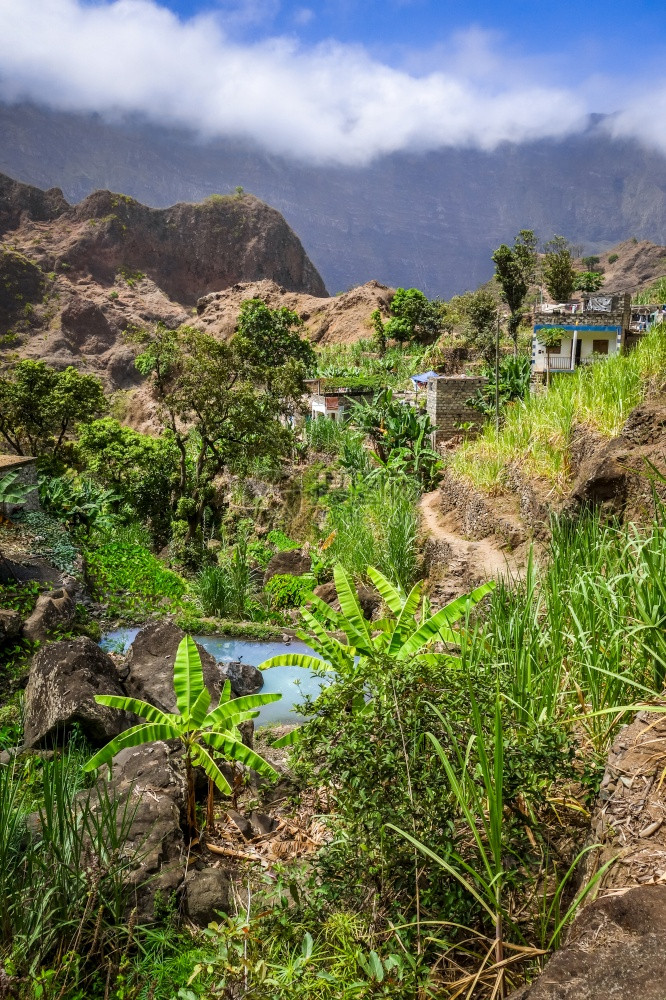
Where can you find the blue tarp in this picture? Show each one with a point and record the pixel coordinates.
(420, 380)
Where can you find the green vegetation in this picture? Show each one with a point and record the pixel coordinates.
(536, 433)
(515, 270)
(39, 406)
(204, 735)
(655, 294)
(559, 274)
(442, 778)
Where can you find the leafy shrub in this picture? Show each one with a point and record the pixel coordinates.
(280, 542)
(286, 591)
(261, 552)
(55, 542)
(613, 257)
(132, 581)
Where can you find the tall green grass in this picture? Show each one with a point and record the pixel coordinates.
(536, 434)
(377, 525)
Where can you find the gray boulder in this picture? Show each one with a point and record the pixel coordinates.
(54, 609)
(149, 666)
(148, 787)
(63, 681)
(294, 562)
(244, 678)
(10, 625)
(207, 893)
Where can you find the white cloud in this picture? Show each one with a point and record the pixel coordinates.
(331, 102)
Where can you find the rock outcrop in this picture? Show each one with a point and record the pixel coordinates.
(148, 673)
(616, 474)
(292, 562)
(148, 788)
(55, 609)
(64, 679)
(243, 677)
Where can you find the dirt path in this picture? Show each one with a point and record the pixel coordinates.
(469, 560)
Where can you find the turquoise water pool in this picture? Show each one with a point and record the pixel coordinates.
(291, 682)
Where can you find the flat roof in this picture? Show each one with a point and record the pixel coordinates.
(7, 461)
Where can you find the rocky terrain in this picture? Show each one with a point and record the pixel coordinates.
(74, 278)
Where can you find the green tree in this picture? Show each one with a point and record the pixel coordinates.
(202, 734)
(379, 332)
(515, 269)
(480, 316)
(40, 406)
(272, 338)
(223, 403)
(590, 263)
(589, 281)
(415, 317)
(559, 274)
(141, 469)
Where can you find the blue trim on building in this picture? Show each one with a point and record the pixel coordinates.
(617, 330)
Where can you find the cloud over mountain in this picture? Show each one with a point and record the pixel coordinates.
(330, 102)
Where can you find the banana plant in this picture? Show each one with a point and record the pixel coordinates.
(203, 734)
(408, 631)
(13, 493)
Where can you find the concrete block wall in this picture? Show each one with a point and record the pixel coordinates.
(447, 407)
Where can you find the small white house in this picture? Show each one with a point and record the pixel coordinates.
(332, 399)
(577, 345)
(593, 328)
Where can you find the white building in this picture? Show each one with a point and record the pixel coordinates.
(594, 328)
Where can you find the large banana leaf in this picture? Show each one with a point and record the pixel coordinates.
(235, 750)
(390, 594)
(188, 682)
(405, 623)
(353, 622)
(141, 708)
(289, 739)
(236, 707)
(132, 738)
(202, 758)
(199, 709)
(292, 660)
(437, 627)
(330, 648)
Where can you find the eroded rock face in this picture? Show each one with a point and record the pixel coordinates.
(87, 327)
(10, 625)
(64, 679)
(615, 476)
(149, 788)
(53, 609)
(149, 667)
(616, 949)
(294, 562)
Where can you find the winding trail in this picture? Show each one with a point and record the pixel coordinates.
(470, 559)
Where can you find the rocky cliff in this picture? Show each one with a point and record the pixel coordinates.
(74, 278)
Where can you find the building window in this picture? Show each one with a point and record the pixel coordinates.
(600, 347)
(555, 347)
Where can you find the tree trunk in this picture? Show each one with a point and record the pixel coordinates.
(210, 808)
(191, 818)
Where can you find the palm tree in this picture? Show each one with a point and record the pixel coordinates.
(203, 734)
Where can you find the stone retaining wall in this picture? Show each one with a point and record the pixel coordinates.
(447, 404)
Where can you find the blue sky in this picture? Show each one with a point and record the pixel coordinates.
(594, 29)
(342, 80)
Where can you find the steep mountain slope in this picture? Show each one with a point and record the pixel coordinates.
(72, 279)
(409, 219)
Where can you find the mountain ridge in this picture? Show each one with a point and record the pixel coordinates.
(429, 220)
